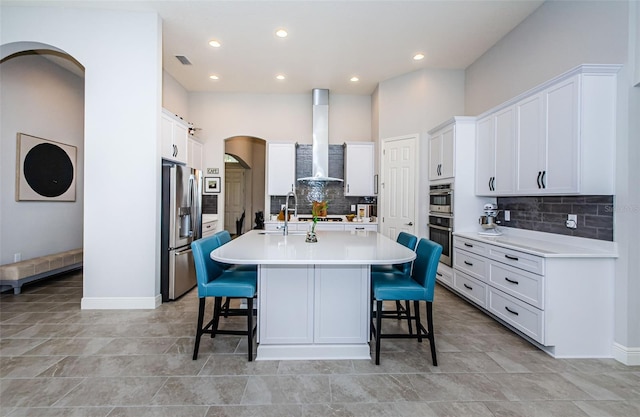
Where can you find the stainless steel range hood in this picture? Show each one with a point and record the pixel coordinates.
(320, 144)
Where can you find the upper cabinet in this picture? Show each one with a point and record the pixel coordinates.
(173, 132)
(195, 154)
(281, 167)
(495, 153)
(563, 137)
(441, 153)
(358, 168)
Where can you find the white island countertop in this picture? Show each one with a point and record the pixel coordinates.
(547, 245)
(332, 248)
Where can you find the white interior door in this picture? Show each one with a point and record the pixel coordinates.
(234, 198)
(398, 191)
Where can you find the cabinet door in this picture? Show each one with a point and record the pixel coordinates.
(562, 138)
(166, 135)
(180, 135)
(435, 156)
(358, 169)
(448, 148)
(530, 144)
(173, 138)
(485, 156)
(194, 153)
(281, 168)
(504, 182)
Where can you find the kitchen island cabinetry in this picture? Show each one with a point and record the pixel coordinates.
(281, 165)
(557, 295)
(173, 132)
(322, 226)
(358, 169)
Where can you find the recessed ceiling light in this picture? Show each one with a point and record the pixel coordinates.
(418, 57)
(214, 77)
(281, 33)
(354, 79)
(280, 77)
(215, 43)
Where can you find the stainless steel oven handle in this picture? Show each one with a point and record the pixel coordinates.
(435, 226)
(443, 192)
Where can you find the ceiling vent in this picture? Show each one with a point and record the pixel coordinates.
(183, 60)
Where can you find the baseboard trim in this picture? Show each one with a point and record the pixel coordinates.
(628, 356)
(121, 303)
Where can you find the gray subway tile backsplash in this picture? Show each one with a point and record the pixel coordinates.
(549, 213)
(332, 192)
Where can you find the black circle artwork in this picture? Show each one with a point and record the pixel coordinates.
(48, 170)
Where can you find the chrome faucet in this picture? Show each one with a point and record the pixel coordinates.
(285, 230)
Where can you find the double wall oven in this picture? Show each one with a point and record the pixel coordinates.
(441, 219)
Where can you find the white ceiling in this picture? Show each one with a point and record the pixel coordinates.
(328, 42)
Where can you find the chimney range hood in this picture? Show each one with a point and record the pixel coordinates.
(320, 144)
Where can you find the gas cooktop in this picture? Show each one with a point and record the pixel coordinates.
(320, 219)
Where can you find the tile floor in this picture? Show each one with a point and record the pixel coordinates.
(57, 360)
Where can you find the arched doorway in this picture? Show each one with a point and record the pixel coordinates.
(244, 182)
(43, 97)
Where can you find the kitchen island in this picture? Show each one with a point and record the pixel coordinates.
(313, 298)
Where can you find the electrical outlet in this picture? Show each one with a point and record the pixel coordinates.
(507, 215)
(572, 221)
(17, 257)
(353, 207)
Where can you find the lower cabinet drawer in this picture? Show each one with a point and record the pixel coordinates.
(471, 288)
(471, 264)
(523, 285)
(444, 275)
(525, 318)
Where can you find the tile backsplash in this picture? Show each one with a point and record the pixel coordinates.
(209, 204)
(332, 192)
(549, 213)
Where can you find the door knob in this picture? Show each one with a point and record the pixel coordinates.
(409, 224)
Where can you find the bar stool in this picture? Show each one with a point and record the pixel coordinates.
(214, 281)
(420, 287)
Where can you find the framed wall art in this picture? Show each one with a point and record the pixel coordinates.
(211, 185)
(45, 170)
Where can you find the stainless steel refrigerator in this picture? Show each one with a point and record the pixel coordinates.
(181, 224)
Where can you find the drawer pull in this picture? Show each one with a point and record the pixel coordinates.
(511, 311)
(469, 245)
(468, 263)
(511, 280)
(468, 287)
(513, 258)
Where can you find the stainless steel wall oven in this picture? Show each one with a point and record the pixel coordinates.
(440, 231)
(441, 199)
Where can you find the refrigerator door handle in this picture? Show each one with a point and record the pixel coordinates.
(191, 198)
(182, 252)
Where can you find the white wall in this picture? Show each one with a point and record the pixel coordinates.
(555, 38)
(416, 103)
(174, 97)
(41, 99)
(122, 119)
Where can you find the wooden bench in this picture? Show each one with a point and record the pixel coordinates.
(19, 273)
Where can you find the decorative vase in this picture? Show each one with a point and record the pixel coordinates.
(311, 237)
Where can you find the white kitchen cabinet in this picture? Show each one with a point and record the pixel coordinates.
(195, 154)
(441, 153)
(495, 153)
(564, 138)
(281, 167)
(173, 132)
(358, 168)
(209, 228)
(356, 227)
(558, 301)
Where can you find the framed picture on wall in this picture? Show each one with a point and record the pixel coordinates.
(211, 185)
(45, 170)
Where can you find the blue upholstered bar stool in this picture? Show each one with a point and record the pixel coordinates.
(225, 237)
(216, 282)
(410, 241)
(420, 287)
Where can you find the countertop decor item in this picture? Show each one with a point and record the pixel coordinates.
(319, 208)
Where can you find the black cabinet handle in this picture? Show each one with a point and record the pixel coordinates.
(511, 311)
(544, 173)
(468, 263)
(513, 258)
(468, 287)
(511, 281)
(469, 245)
(490, 183)
(538, 179)
(438, 274)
